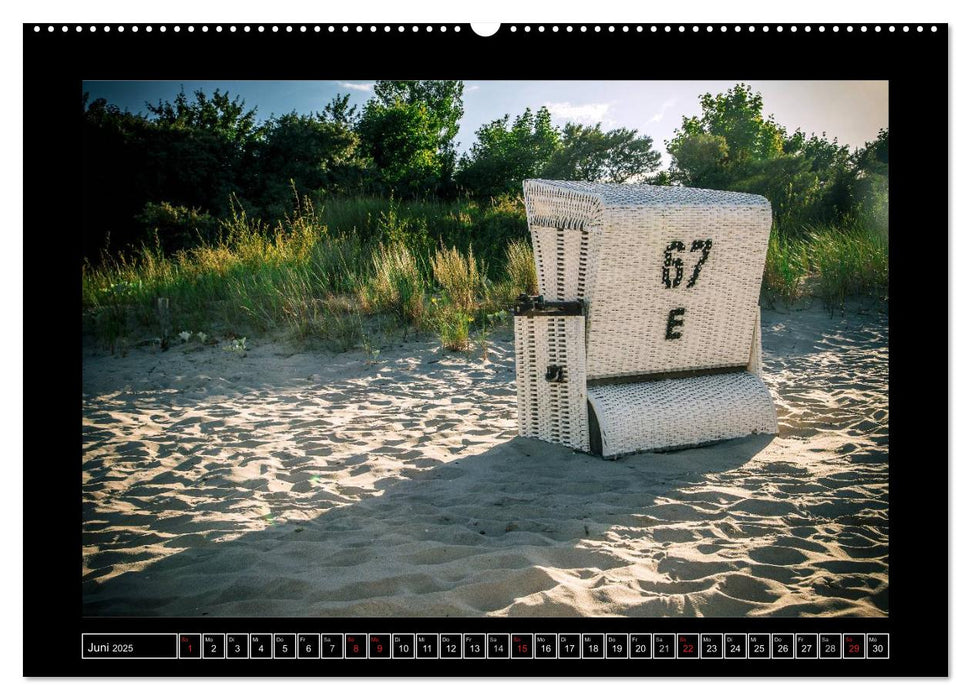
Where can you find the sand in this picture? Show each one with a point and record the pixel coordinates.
(311, 483)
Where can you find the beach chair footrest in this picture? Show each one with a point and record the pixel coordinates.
(673, 413)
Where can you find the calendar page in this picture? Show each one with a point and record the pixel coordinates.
(422, 349)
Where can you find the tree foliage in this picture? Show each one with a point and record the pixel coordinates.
(221, 116)
(401, 142)
(736, 117)
(505, 153)
(409, 131)
(809, 180)
(589, 153)
(306, 153)
(174, 171)
(191, 152)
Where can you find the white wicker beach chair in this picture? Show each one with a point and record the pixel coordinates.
(646, 333)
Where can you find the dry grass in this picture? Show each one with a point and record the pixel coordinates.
(302, 277)
(520, 267)
(460, 277)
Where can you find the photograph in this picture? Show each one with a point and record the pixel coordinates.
(373, 348)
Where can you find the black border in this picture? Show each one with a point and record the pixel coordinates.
(916, 64)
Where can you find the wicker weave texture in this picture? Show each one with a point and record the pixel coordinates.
(573, 203)
(755, 355)
(560, 204)
(555, 411)
(631, 307)
(555, 251)
(565, 227)
(613, 249)
(681, 412)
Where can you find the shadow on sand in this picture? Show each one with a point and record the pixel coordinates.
(468, 537)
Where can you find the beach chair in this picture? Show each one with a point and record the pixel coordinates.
(645, 334)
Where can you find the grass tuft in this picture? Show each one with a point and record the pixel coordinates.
(520, 267)
(460, 276)
(396, 284)
(453, 325)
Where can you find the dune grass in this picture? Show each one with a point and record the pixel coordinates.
(315, 281)
(521, 267)
(829, 263)
(337, 271)
(396, 284)
(460, 277)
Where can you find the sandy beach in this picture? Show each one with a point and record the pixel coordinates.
(293, 482)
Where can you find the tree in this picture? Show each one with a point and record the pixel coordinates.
(402, 142)
(809, 180)
(737, 116)
(309, 152)
(700, 160)
(201, 149)
(115, 183)
(440, 104)
(504, 155)
(874, 157)
(339, 111)
(589, 153)
(871, 171)
(729, 136)
(192, 153)
(217, 115)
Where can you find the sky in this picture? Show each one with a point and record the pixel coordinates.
(851, 111)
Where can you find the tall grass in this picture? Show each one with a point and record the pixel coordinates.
(396, 284)
(848, 262)
(786, 268)
(520, 268)
(323, 270)
(424, 226)
(315, 273)
(251, 277)
(461, 277)
(828, 263)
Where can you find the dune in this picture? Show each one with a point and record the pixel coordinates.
(309, 483)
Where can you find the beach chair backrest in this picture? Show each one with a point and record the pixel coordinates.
(670, 276)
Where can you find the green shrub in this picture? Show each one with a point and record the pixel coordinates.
(176, 226)
(453, 325)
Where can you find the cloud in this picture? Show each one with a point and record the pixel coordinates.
(471, 88)
(363, 87)
(590, 113)
(665, 106)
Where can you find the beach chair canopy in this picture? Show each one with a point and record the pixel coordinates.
(635, 253)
